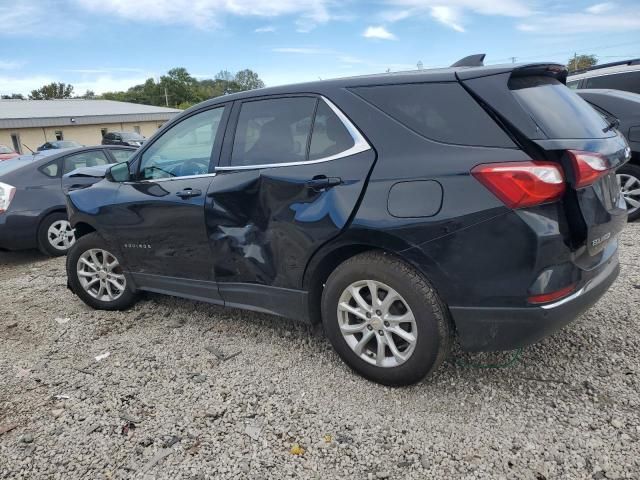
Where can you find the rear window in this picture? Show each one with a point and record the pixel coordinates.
(557, 111)
(444, 112)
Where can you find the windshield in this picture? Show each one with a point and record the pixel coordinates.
(132, 136)
(4, 149)
(557, 110)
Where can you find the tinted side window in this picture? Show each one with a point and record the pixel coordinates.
(444, 112)
(183, 150)
(329, 136)
(121, 155)
(50, 169)
(628, 81)
(84, 159)
(273, 131)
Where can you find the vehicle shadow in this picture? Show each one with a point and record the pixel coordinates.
(22, 257)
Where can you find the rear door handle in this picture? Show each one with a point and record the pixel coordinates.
(321, 182)
(189, 193)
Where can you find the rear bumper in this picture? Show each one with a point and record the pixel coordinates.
(18, 231)
(491, 329)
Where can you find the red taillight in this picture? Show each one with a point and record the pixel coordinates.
(522, 184)
(550, 297)
(588, 167)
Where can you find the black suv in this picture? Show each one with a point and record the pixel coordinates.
(396, 209)
(131, 139)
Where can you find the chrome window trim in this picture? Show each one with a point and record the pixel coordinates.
(359, 145)
(168, 179)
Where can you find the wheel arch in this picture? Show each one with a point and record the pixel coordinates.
(332, 254)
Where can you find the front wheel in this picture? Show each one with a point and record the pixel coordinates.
(629, 180)
(96, 275)
(385, 320)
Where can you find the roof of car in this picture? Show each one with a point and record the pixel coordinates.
(630, 96)
(59, 152)
(449, 74)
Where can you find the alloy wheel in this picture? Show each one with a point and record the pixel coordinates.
(630, 188)
(377, 323)
(101, 275)
(60, 235)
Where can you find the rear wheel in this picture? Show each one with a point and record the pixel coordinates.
(55, 235)
(96, 275)
(385, 320)
(629, 180)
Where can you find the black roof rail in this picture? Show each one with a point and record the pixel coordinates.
(476, 60)
(633, 61)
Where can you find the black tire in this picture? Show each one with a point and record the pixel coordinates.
(88, 242)
(45, 244)
(434, 333)
(632, 170)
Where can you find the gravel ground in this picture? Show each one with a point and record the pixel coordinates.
(195, 391)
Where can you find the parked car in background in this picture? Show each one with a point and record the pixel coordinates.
(58, 144)
(7, 153)
(622, 108)
(32, 199)
(394, 208)
(132, 139)
(623, 75)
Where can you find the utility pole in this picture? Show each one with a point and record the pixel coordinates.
(513, 59)
(575, 61)
(166, 97)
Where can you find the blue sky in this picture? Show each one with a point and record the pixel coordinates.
(114, 44)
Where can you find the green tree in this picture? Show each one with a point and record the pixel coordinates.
(51, 91)
(248, 80)
(13, 96)
(578, 62)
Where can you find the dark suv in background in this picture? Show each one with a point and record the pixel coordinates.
(131, 139)
(396, 209)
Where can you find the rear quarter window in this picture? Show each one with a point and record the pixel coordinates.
(443, 112)
(558, 111)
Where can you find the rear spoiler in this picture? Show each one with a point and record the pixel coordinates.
(476, 60)
(554, 70)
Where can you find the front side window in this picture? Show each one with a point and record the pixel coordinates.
(84, 159)
(183, 150)
(273, 131)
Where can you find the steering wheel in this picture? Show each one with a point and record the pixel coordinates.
(194, 167)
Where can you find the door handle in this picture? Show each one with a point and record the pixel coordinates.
(189, 193)
(322, 182)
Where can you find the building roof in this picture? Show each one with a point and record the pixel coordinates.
(54, 113)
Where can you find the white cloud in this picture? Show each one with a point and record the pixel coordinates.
(449, 16)
(572, 23)
(37, 18)
(208, 13)
(266, 29)
(600, 8)
(452, 12)
(379, 33)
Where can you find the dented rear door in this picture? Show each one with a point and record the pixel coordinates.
(266, 219)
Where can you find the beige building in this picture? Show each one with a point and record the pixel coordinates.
(30, 123)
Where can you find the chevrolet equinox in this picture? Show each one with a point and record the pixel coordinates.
(397, 209)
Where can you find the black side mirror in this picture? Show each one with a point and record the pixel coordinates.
(119, 173)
